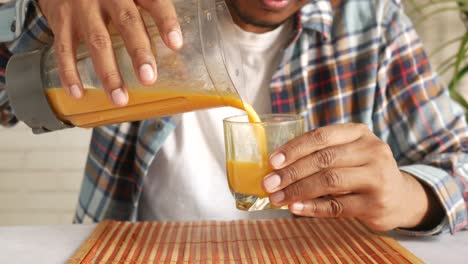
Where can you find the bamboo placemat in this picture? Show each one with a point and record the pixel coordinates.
(300, 240)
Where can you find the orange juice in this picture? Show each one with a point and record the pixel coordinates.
(95, 109)
(246, 177)
(248, 146)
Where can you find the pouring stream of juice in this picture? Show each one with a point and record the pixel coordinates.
(246, 177)
(94, 109)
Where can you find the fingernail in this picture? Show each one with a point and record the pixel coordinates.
(277, 160)
(175, 38)
(118, 97)
(75, 91)
(297, 206)
(277, 197)
(146, 73)
(272, 182)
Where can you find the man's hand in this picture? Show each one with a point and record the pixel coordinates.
(346, 171)
(73, 21)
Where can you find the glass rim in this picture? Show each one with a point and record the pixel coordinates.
(292, 119)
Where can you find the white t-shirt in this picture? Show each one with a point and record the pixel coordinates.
(187, 179)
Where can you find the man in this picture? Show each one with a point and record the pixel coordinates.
(385, 143)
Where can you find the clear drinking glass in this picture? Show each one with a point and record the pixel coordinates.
(248, 147)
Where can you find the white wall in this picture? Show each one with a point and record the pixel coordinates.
(40, 175)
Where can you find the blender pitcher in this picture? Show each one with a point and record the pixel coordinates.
(200, 75)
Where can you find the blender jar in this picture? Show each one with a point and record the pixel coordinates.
(202, 74)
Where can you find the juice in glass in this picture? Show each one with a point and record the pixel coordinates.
(249, 144)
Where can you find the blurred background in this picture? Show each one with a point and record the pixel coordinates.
(443, 28)
(40, 175)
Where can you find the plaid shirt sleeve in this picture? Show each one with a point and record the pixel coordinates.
(35, 35)
(427, 130)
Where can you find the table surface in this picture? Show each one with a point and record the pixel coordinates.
(55, 244)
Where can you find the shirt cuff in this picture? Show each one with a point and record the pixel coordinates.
(447, 191)
(12, 18)
(35, 33)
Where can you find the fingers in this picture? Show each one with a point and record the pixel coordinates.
(342, 206)
(100, 48)
(326, 182)
(92, 29)
(316, 140)
(347, 155)
(163, 13)
(127, 19)
(65, 51)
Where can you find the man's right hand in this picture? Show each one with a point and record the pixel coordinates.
(73, 21)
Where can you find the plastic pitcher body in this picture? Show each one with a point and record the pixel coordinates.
(200, 75)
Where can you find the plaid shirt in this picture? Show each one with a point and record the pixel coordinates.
(358, 61)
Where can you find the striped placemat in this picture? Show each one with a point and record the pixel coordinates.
(299, 240)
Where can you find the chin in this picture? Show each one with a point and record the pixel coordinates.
(265, 13)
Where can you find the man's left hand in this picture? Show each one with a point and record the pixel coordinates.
(345, 171)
